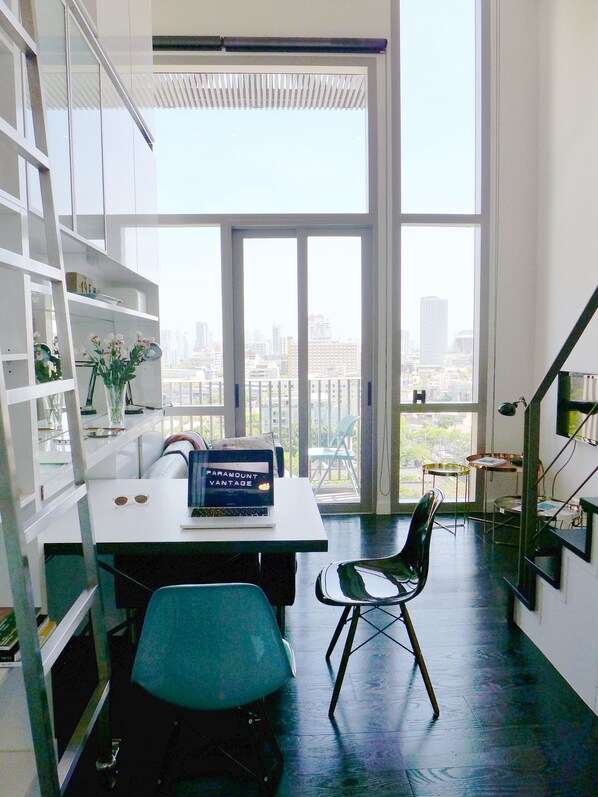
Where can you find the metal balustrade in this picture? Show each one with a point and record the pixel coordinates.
(271, 406)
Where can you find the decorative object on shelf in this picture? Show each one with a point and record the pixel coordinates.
(88, 408)
(115, 403)
(79, 283)
(48, 368)
(115, 364)
(103, 297)
(53, 410)
(153, 352)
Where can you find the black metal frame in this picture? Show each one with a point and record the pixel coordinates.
(525, 587)
(259, 730)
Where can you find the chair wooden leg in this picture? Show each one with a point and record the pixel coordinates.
(420, 659)
(345, 660)
(337, 631)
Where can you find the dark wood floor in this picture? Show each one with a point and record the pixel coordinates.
(509, 725)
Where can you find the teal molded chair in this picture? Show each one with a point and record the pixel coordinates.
(323, 459)
(213, 648)
(361, 586)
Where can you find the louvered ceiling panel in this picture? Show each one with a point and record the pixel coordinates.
(225, 90)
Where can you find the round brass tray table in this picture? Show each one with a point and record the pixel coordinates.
(455, 470)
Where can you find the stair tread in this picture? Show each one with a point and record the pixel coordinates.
(589, 504)
(577, 540)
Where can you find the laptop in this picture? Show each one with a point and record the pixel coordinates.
(230, 488)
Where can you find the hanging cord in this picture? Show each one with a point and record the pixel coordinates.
(564, 448)
(495, 259)
(552, 489)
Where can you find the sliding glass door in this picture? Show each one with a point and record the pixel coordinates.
(301, 314)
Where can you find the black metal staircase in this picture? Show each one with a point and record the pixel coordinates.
(546, 563)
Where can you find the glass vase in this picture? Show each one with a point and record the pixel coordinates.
(53, 410)
(115, 404)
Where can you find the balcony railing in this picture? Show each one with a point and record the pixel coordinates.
(272, 406)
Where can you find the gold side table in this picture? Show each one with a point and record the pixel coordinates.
(443, 469)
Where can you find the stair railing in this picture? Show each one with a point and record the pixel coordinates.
(531, 455)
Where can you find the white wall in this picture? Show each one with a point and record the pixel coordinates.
(513, 214)
(568, 205)
(327, 18)
(547, 128)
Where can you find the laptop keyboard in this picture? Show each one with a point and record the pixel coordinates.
(229, 511)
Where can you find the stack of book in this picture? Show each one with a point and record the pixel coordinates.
(10, 653)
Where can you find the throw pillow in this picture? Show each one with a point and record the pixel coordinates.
(258, 441)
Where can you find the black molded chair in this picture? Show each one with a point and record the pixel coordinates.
(362, 585)
(204, 648)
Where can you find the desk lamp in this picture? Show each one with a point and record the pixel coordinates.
(150, 354)
(509, 408)
(88, 408)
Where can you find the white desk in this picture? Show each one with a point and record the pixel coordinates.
(154, 528)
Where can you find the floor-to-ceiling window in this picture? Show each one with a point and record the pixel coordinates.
(290, 158)
(440, 251)
(266, 248)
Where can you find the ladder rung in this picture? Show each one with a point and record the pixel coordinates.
(22, 146)
(15, 31)
(29, 266)
(55, 507)
(18, 533)
(74, 748)
(19, 395)
(66, 628)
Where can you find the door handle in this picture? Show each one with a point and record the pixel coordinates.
(236, 396)
(369, 394)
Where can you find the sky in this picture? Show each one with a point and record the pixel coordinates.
(268, 161)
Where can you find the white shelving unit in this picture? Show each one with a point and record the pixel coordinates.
(45, 470)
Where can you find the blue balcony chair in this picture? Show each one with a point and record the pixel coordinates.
(337, 452)
(205, 648)
(361, 586)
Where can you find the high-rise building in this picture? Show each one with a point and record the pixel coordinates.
(463, 342)
(433, 338)
(404, 342)
(276, 339)
(328, 358)
(201, 335)
(319, 327)
(175, 346)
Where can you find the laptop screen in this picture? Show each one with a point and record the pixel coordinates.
(231, 477)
